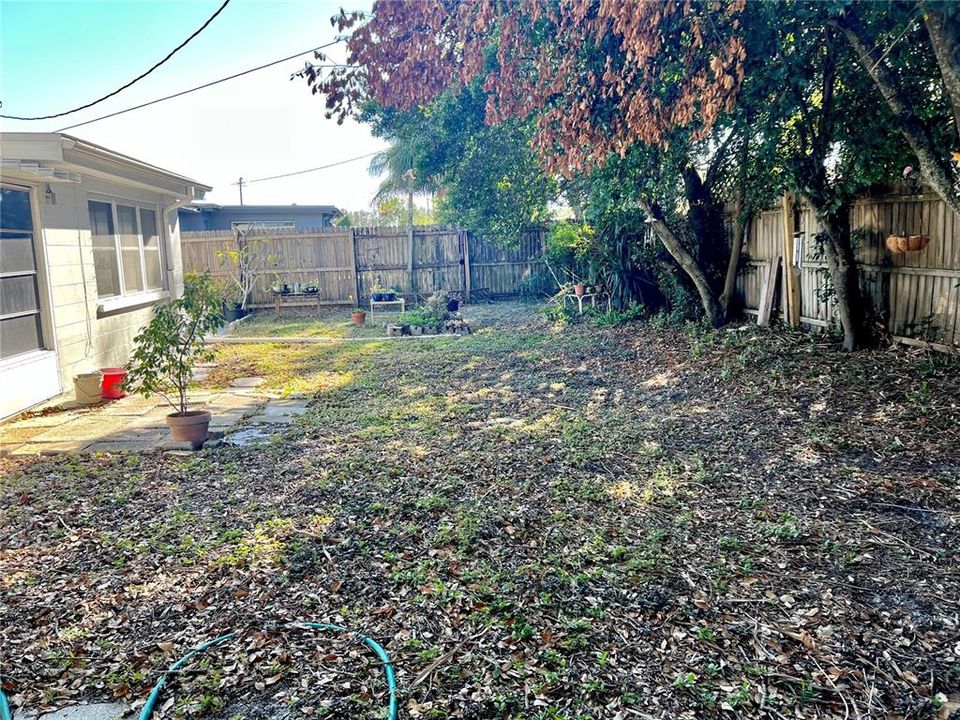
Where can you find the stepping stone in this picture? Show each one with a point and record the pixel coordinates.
(257, 435)
(247, 382)
(281, 412)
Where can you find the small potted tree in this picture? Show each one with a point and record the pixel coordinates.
(167, 349)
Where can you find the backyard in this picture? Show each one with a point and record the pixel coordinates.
(536, 521)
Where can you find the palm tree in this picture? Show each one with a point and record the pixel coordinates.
(397, 162)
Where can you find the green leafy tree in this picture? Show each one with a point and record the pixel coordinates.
(834, 139)
(497, 188)
(911, 52)
(487, 179)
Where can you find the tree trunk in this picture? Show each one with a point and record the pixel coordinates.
(844, 275)
(689, 264)
(705, 218)
(741, 226)
(934, 168)
(943, 26)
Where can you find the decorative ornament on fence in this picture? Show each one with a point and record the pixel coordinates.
(904, 243)
(907, 243)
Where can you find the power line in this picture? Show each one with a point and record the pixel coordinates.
(310, 170)
(135, 80)
(199, 87)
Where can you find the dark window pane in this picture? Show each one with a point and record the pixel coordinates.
(20, 335)
(18, 294)
(101, 219)
(148, 228)
(15, 209)
(16, 252)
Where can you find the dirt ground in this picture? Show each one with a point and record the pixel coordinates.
(536, 522)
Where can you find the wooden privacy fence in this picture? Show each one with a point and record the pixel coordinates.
(347, 263)
(916, 293)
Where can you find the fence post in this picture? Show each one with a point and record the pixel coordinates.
(356, 268)
(791, 308)
(410, 280)
(465, 234)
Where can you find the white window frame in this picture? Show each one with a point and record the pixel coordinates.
(145, 294)
(44, 289)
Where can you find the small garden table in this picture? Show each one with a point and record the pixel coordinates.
(278, 304)
(592, 297)
(399, 302)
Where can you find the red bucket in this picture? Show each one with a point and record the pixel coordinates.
(112, 378)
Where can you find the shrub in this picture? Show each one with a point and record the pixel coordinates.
(167, 349)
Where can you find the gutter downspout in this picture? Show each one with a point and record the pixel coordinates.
(176, 288)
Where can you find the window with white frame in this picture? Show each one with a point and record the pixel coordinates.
(127, 252)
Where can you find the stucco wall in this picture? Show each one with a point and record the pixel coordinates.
(85, 338)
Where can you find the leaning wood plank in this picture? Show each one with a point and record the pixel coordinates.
(768, 291)
(939, 347)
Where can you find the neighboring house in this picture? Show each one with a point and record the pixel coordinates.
(89, 242)
(210, 216)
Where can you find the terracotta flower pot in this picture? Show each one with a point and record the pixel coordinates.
(579, 289)
(191, 427)
(358, 317)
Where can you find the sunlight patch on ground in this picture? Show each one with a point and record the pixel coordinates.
(664, 379)
(260, 546)
(662, 485)
(806, 455)
(623, 490)
(515, 427)
(881, 415)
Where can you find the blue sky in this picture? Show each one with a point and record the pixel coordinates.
(57, 55)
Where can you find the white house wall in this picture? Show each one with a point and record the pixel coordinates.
(85, 339)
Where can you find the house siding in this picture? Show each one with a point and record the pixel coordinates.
(85, 338)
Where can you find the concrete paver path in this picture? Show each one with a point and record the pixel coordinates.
(137, 424)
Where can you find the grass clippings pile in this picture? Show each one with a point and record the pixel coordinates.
(535, 522)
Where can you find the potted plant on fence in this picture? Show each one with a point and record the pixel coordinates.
(230, 308)
(167, 349)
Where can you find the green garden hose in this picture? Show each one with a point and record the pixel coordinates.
(368, 641)
(155, 693)
(4, 705)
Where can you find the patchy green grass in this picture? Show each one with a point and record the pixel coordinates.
(536, 521)
(327, 323)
